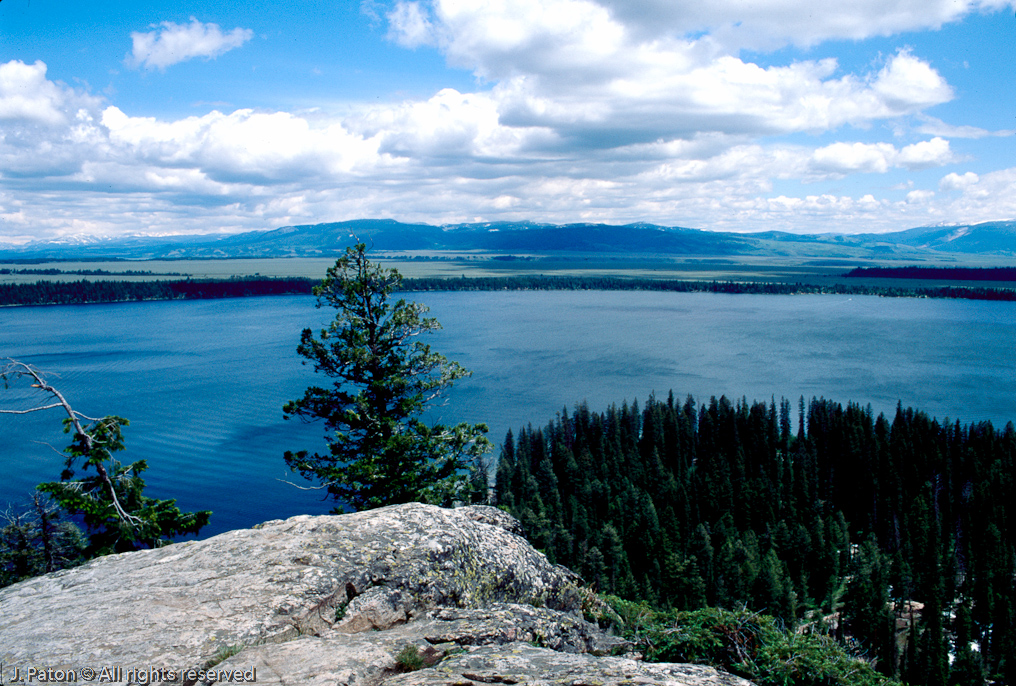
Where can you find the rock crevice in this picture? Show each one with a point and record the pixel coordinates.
(328, 600)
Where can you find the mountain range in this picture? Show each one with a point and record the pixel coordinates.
(995, 239)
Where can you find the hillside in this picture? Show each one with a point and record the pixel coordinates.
(993, 239)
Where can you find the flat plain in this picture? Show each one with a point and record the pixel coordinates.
(792, 270)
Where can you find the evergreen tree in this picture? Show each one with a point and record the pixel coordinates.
(37, 540)
(773, 591)
(866, 605)
(380, 452)
(111, 502)
(682, 585)
(966, 669)
(118, 515)
(504, 495)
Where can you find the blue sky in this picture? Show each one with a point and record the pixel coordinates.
(184, 117)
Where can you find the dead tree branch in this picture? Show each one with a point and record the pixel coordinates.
(14, 370)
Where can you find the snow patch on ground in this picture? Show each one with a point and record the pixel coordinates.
(959, 233)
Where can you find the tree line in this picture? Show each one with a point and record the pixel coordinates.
(51, 271)
(85, 291)
(893, 534)
(108, 291)
(615, 283)
(951, 273)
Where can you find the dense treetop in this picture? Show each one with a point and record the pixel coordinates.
(729, 504)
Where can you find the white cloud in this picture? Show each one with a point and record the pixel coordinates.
(933, 153)
(174, 43)
(408, 25)
(920, 196)
(608, 111)
(245, 146)
(449, 158)
(868, 203)
(450, 126)
(27, 95)
(571, 67)
(991, 197)
(956, 182)
(773, 24)
(46, 128)
(847, 158)
(907, 84)
(936, 127)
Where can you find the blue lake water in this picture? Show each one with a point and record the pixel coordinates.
(203, 382)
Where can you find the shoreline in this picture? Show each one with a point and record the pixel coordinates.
(84, 292)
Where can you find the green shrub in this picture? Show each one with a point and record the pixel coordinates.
(223, 653)
(409, 659)
(751, 645)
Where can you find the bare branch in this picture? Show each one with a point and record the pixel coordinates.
(34, 409)
(50, 447)
(16, 370)
(306, 488)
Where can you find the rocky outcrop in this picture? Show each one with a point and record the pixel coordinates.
(349, 599)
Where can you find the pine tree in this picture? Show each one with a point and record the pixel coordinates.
(504, 495)
(773, 592)
(380, 452)
(966, 669)
(866, 605)
(110, 498)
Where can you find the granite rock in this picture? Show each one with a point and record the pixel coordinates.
(326, 600)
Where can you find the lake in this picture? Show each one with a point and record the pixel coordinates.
(203, 382)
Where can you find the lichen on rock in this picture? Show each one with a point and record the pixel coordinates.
(309, 600)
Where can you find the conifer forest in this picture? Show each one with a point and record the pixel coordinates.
(894, 535)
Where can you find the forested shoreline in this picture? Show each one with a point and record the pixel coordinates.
(828, 526)
(108, 291)
(933, 273)
(52, 271)
(86, 292)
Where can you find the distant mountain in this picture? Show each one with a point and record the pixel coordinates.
(988, 238)
(386, 235)
(996, 238)
(497, 237)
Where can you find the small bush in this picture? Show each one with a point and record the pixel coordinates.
(222, 654)
(751, 645)
(409, 659)
(624, 616)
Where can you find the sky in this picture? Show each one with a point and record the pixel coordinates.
(850, 116)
